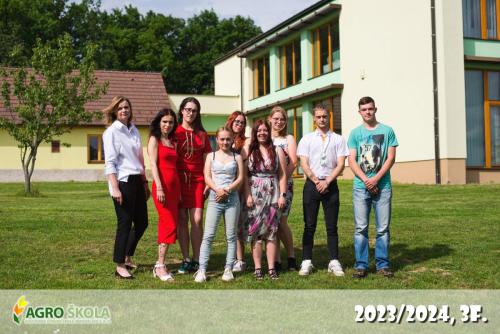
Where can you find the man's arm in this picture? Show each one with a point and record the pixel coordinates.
(391, 158)
(304, 163)
(322, 186)
(353, 164)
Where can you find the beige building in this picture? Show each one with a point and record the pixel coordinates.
(424, 63)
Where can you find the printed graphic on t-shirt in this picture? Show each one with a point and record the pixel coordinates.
(370, 158)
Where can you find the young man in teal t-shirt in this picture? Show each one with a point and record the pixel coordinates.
(372, 152)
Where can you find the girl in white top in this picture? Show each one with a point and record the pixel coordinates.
(278, 120)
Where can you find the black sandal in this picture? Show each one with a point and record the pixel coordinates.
(273, 274)
(258, 274)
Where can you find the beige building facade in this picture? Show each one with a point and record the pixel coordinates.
(412, 57)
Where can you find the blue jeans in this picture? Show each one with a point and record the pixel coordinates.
(363, 202)
(231, 211)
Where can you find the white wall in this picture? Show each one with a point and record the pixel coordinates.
(451, 86)
(228, 77)
(386, 53)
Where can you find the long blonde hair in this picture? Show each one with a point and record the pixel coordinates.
(110, 110)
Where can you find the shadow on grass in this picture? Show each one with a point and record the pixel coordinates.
(402, 256)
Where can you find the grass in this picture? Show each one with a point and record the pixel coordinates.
(442, 237)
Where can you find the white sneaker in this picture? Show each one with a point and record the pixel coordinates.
(239, 266)
(228, 275)
(336, 268)
(306, 268)
(200, 276)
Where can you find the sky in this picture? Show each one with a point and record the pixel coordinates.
(265, 13)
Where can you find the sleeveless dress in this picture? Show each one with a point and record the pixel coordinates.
(191, 146)
(283, 143)
(263, 217)
(168, 211)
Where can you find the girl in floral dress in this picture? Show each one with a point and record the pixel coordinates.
(265, 192)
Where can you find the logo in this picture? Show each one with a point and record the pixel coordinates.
(18, 309)
(71, 314)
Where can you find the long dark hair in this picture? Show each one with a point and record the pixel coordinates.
(239, 138)
(254, 151)
(197, 121)
(154, 127)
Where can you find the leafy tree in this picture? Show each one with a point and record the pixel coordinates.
(51, 98)
(22, 22)
(204, 39)
(184, 51)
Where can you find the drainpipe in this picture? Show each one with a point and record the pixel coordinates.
(241, 84)
(437, 158)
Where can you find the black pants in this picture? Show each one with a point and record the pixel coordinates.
(133, 209)
(311, 200)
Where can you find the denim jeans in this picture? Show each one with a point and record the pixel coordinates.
(363, 202)
(231, 211)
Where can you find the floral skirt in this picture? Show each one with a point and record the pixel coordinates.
(264, 216)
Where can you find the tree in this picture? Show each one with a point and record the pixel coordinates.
(204, 39)
(51, 98)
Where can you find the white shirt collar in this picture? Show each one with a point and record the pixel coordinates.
(319, 133)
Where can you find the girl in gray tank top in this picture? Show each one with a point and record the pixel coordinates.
(223, 175)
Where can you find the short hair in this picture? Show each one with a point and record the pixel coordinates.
(279, 109)
(112, 108)
(154, 127)
(366, 100)
(320, 106)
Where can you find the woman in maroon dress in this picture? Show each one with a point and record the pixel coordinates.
(192, 147)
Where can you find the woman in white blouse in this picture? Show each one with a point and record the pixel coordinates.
(128, 186)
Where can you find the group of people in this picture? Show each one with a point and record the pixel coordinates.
(249, 183)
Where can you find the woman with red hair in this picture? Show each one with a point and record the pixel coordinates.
(237, 122)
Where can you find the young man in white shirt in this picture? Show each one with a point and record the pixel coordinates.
(322, 158)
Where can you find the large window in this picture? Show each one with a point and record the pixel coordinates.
(325, 49)
(261, 76)
(482, 95)
(290, 72)
(332, 104)
(481, 18)
(294, 116)
(95, 149)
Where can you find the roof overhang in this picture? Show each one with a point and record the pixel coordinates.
(320, 8)
(290, 28)
(296, 97)
(482, 59)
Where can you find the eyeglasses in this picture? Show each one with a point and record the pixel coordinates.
(238, 122)
(281, 120)
(190, 110)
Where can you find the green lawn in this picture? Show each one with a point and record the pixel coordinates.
(443, 237)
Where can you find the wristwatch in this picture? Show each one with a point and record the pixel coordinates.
(283, 194)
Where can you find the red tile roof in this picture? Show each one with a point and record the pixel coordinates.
(144, 89)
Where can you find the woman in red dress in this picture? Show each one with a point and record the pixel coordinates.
(192, 147)
(162, 151)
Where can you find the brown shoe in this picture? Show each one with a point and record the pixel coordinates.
(386, 272)
(360, 273)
